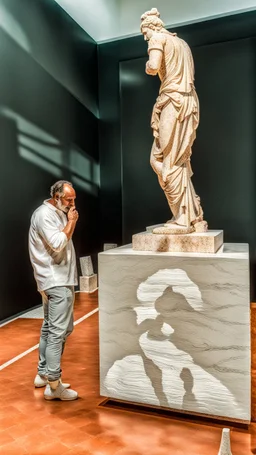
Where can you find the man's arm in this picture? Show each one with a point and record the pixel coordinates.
(71, 224)
(53, 237)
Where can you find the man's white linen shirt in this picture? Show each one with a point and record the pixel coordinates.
(51, 253)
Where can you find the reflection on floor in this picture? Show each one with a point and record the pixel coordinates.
(30, 425)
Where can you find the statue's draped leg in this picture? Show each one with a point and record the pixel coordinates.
(182, 199)
(170, 159)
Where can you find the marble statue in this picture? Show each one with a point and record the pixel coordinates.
(175, 119)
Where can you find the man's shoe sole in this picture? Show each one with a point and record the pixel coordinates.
(46, 397)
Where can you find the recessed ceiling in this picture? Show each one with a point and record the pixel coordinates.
(106, 20)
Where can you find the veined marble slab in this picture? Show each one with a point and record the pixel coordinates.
(175, 329)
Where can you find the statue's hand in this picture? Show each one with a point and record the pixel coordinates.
(150, 70)
(147, 68)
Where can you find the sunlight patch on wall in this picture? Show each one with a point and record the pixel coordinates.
(85, 171)
(36, 145)
(40, 162)
(45, 151)
(13, 29)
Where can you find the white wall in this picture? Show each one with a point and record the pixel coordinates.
(177, 11)
(109, 19)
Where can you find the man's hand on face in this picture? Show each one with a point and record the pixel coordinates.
(73, 214)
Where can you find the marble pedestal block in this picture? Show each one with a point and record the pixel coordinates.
(109, 246)
(203, 242)
(175, 330)
(88, 283)
(86, 266)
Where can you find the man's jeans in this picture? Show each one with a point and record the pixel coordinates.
(57, 326)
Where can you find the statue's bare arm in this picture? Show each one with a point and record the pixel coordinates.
(154, 62)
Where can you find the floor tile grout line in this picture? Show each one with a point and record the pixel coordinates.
(28, 351)
(18, 357)
(86, 316)
(87, 292)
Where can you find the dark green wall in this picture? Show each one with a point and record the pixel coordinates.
(224, 152)
(48, 130)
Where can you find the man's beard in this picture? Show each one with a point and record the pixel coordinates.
(61, 207)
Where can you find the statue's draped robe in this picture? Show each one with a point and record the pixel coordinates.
(175, 119)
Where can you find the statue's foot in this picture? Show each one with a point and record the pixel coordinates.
(172, 221)
(172, 228)
(201, 226)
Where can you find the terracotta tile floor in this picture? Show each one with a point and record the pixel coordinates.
(30, 425)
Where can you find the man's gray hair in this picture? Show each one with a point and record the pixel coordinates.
(58, 187)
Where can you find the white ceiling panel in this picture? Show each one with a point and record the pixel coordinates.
(106, 20)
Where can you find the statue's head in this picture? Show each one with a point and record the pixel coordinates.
(150, 23)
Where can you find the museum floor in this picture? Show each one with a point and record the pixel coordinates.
(30, 425)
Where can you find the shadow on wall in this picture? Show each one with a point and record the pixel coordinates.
(45, 135)
(46, 32)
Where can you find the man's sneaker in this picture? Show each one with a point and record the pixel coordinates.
(41, 381)
(59, 393)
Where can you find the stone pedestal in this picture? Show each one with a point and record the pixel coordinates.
(109, 246)
(175, 330)
(86, 266)
(203, 242)
(88, 283)
(225, 446)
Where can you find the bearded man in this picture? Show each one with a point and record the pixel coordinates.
(53, 259)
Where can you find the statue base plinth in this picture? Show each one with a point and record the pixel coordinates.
(203, 242)
(171, 229)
